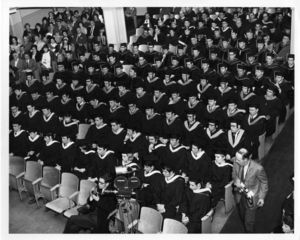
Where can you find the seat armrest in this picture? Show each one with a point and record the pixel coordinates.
(229, 184)
(37, 181)
(133, 224)
(22, 174)
(73, 195)
(54, 188)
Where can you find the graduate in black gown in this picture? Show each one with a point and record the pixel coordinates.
(17, 140)
(220, 176)
(174, 194)
(198, 204)
(153, 184)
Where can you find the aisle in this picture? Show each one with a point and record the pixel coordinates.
(279, 165)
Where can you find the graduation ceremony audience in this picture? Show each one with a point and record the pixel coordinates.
(212, 81)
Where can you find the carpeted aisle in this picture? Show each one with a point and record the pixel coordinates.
(279, 165)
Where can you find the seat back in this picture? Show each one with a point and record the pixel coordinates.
(84, 191)
(143, 48)
(229, 198)
(173, 226)
(150, 221)
(157, 48)
(261, 148)
(173, 49)
(206, 222)
(69, 184)
(33, 171)
(51, 176)
(139, 32)
(126, 68)
(82, 130)
(16, 165)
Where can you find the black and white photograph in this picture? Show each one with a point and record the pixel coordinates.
(149, 119)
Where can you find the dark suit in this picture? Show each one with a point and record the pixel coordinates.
(257, 182)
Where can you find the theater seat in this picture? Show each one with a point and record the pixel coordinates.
(261, 148)
(206, 222)
(80, 197)
(173, 226)
(68, 186)
(16, 167)
(229, 198)
(42, 186)
(82, 130)
(150, 221)
(25, 181)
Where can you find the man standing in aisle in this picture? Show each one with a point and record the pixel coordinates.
(251, 181)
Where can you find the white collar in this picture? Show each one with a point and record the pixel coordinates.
(215, 135)
(118, 131)
(33, 139)
(223, 164)
(88, 152)
(16, 134)
(199, 155)
(201, 190)
(51, 142)
(172, 119)
(69, 124)
(176, 149)
(238, 137)
(159, 145)
(134, 137)
(192, 106)
(49, 118)
(212, 109)
(172, 179)
(149, 118)
(67, 145)
(151, 173)
(171, 102)
(107, 153)
(191, 128)
(16, 114)
(100, 127)
(33, 113)
(156, 100)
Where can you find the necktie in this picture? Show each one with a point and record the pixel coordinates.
(233, 138)
(243, 174)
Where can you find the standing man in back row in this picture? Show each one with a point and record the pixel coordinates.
(251, 181)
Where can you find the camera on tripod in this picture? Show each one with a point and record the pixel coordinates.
(126, 181)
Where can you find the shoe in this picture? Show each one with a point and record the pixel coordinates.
(31, 201)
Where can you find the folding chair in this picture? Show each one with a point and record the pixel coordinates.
(206, 222)
(82, 130)
(126, 68)
(275, 134)
(150, 221)
(42, 186)
(172, 49)
(261, 148)
(229, 198)
(67, 187)
(157, 48)
(25, 181)
(143, 48)
(173, 226)
(16, 167)
(139, 32)
(80, 197)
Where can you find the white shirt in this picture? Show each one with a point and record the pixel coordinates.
(46, 60)
(245, 169)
